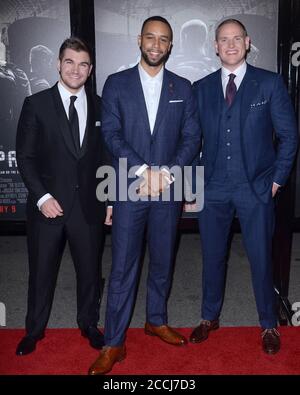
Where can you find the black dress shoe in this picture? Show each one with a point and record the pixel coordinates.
(27, 345)
(270, 341)
(201, 333)
(95, 337)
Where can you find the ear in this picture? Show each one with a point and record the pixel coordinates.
(139, 40)
(58, 65)
(247, 42)
(216, 47)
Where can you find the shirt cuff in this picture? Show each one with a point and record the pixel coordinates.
(141, 170)
(168, 176)
(43, 199)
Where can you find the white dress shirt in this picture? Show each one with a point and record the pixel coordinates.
(239, 72)
(81, 108)
(80, 105)
(152, 90)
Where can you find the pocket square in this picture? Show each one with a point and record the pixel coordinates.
(176, 101)
(98, 123)
(259, 104)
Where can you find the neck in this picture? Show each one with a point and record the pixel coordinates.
(232, 68)
(71, 90)
(151, 70)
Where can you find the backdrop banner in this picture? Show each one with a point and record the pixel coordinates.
(31, 32)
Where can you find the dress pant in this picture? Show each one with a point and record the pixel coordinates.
(221, 202)
(46, 243)
(129, 223)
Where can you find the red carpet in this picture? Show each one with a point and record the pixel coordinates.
(228, 351)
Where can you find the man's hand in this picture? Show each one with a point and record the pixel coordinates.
(108, 218)
(51, 208)
(275, 188)
(155, 182)
(190, 207)
(144, 188)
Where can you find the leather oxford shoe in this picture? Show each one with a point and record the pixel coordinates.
(166, 334)
(106, 360)
(201, 332)
(270, 341)
(95, 337)
(27, 345)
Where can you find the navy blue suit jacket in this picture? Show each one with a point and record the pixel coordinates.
(125, 127)
(265, 109)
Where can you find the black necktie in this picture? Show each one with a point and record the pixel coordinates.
(230, 90)
(74, 123)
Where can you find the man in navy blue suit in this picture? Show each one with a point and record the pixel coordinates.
(149, 118)
(240, 107)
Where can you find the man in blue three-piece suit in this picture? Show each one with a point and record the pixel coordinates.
(240, 106)
(149, 118)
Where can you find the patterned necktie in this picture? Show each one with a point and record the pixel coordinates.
(230, 90)
(74, 123)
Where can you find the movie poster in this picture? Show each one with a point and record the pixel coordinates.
(31, 32)
(118, 23)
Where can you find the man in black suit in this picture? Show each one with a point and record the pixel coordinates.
(59, 149)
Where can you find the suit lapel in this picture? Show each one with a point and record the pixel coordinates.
(167, 91)
(250, 89)
(136, 91)
(63, 121)
(216, 101)
(90, 122)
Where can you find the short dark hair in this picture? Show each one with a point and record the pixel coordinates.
(158, 19)
(75, 43)
(226, 22)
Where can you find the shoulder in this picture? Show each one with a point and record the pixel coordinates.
(122, 75)
(263, 75)
(209, 79)
(39, 100)
(178, 79)
(42, 95)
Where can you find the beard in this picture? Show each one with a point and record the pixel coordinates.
(152, 63)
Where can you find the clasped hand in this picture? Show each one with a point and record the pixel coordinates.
(154, 183)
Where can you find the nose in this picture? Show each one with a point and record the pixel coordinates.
(231, 43)
(75, 68)
(156, 43)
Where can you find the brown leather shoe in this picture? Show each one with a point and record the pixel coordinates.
(270, 341)
(166, 334)
(106, 360)
(201, 332)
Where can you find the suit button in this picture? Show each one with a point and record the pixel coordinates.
(228, 157)
(228, 130)
(77, 187)
(228, 144)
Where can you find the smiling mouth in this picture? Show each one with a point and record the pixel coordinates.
(153, 53)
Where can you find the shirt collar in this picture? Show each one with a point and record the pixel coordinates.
(145, 77)
(66, 94)
(239, 71)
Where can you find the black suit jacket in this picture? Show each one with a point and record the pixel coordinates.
(47, 158)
